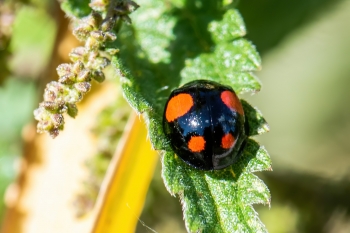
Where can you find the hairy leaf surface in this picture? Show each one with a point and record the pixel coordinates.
(169, 44)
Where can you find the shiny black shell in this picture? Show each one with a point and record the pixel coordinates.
(209, 119)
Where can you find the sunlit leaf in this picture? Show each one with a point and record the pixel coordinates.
(197, 41)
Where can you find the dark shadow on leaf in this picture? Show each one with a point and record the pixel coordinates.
(249, 153)
(233, 172)
(255, 123)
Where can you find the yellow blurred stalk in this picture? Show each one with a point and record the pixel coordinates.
(125, 186)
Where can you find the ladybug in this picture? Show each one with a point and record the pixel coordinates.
(204, 123)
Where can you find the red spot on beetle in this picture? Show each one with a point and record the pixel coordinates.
(227, 141)
(178, 106)
(231, 100)
(196, 144)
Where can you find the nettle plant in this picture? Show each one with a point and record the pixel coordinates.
(169, 44)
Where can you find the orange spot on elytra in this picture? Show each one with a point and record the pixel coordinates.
(227, 141)
(178, 106)
(196, 143)
(230, 100)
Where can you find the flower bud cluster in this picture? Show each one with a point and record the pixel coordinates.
(88, 63)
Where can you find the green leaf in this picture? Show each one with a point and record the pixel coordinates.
(155, 28)
(228, 63)
(229, 28)
(256, 122)
(220, 201)
(232, 62)
(76, 8)
(196, 41)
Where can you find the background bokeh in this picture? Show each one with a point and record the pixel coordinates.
(305, 49)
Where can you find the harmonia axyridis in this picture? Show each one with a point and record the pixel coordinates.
(204, 122)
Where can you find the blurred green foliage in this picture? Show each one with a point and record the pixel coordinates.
(24, 55)
(76, 8)
(17, 99)
(33, 37)
(270, 21)
(317, 199)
